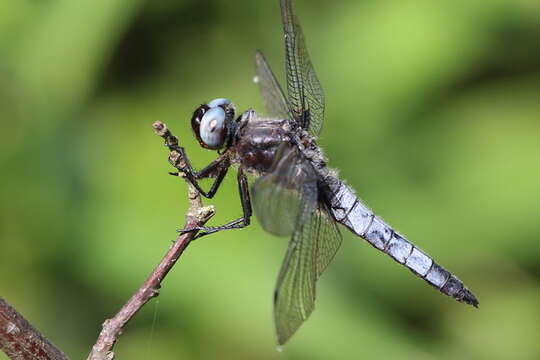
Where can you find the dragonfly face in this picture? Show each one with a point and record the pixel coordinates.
(296, 194)
(212, 123)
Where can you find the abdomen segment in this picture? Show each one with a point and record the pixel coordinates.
(355, 215)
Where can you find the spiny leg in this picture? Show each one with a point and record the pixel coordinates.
(217, 168)
(234, 224)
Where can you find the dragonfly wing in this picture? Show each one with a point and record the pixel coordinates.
(312, 247)
(274, 99)
(306, 97)
(277, 196)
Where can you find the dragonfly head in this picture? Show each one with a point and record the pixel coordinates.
(212, 122)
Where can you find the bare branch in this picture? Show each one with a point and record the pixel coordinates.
(20, 341)
(196, 216)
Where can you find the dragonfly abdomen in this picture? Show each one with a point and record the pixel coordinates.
(357, 217)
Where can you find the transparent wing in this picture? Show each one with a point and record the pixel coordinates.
(286, 202)
(311, 248)
(274, 99)
(277, 196)
(306, 97)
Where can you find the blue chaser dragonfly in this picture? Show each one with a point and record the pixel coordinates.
(296, 194)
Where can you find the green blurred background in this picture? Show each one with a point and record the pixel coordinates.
(433, 115)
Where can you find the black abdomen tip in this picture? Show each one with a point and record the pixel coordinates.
(469, 298)
(455, 288)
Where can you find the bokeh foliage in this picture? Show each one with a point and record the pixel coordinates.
(433, 115)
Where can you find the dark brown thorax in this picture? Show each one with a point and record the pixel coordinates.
(256, 141)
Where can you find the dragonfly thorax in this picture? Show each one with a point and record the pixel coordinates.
(256, 141)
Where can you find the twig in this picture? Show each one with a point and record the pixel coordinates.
(196, 216)
(20, 341)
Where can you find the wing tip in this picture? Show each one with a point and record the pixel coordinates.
(282, 339)
(283, 334)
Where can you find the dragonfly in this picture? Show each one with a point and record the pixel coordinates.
(295, 193)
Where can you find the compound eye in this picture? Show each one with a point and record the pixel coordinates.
(212, 128)
(219, 102)
(196, 119)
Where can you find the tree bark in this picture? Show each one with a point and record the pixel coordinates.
(21, 341)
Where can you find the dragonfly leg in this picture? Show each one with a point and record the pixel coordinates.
(216, 169)
(234, 224)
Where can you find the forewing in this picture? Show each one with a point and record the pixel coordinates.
(274, 99)
(312, 247)
(277, 196)
(306, 97)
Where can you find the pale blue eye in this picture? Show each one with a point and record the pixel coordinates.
(218, 102)
(212, 129)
